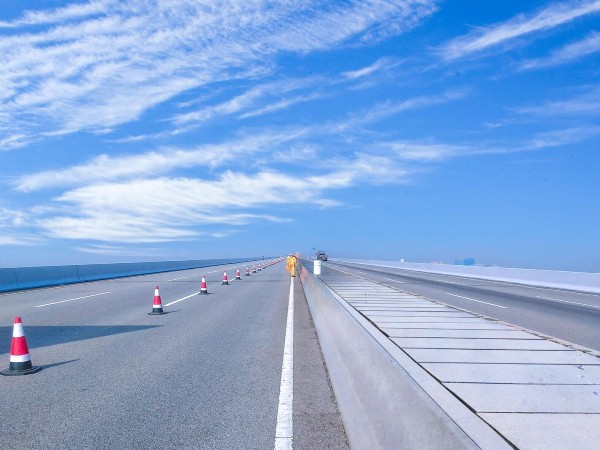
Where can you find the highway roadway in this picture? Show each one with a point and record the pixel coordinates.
(205, 375)
(567, 315)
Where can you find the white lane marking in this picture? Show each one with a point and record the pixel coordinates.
(450, 282)
(364, 273)
(478, 301)
(213, 271)
(182, 299)
(285, 426)
(395, 281)
(566, 301)
(72, 299)
(176, 279)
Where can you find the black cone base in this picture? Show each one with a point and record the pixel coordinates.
(12, 372)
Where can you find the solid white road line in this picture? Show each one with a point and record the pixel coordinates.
(72, 299)
(478, 301)
(182, 299)
(285, 429)
(566, 301)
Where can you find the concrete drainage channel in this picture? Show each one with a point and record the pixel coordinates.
(409, 372)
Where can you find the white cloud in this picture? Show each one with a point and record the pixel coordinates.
(166, 208)
(389, 108)
(163, 209)
(428, 152)
(559, 138)
(154, 163)
(520, 25)
(158, 162)
(567, 53)
(586, 104)
(381, 63)
(100, 64)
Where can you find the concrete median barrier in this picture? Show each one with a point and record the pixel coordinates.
(12, 279)
(385, 398)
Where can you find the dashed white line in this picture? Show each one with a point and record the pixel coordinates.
(177, 279)
(478, 301)
(182, 299)
(450, 282)
(285, 425)
(72, 299)
(394, 281)
(566, 301)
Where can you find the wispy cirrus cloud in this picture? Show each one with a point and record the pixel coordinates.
(380, 64)
(107, 168)
(497, 34)
(100, 64)
(566, 54)
(166, 209)
(584, 104)
(251, 102)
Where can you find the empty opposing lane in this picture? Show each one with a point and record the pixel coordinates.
(568, 315)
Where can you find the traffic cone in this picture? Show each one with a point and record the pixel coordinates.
(259, 267)
(156, 304)
(253, 269)
(225, 280)
(238, 276)
(203, 288)
(247, 271)
(20, 361)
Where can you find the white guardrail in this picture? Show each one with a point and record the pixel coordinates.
(577, 281)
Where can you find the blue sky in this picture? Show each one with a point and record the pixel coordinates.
(417, 129)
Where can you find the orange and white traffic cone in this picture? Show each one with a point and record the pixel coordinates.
(253, 269)
(156, 304)
(238, 275)
(259, 267)
(203, 288)
(247, 271)
(20, 361)
(225, 280)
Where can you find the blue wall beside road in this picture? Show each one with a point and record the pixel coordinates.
(12, 279)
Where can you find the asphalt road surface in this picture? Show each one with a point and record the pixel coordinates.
(567, 315)
(205, 375)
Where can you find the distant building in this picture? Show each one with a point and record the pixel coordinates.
(464, 262)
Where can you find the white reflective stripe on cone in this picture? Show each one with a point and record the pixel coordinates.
(20, 358)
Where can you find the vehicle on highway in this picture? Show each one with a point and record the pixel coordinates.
(321, 255)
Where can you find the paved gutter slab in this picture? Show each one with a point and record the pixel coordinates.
(521, 398)
(514, 373)
(474, 334)
(537, 431)
(536, 392)
(567, 356)
(478, 344)
(445, 326)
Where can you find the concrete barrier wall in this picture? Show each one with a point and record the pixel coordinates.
(386, 400)
(12, 279)
(579, 281)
